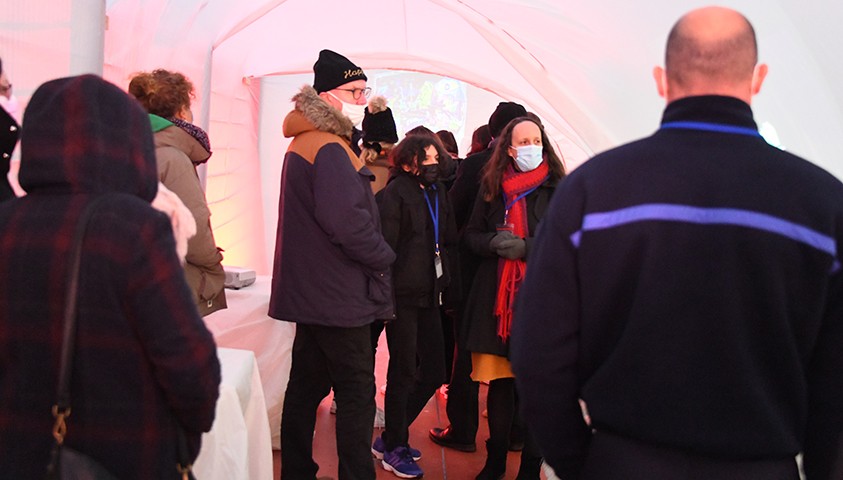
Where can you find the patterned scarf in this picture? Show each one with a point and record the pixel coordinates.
(196, 133)
(511, 272)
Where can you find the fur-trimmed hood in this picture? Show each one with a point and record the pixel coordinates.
(313, 113)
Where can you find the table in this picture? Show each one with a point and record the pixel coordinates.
(238, 446)
(245, 325)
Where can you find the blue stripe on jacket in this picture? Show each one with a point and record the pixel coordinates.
(709, 216)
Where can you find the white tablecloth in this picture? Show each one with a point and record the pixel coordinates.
(245, 325)
(238, 446)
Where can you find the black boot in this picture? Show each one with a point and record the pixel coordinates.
(495, 462)
(530, 468)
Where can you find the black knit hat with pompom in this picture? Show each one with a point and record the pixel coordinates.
(378, 123)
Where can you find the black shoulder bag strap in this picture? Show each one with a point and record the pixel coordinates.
(62, 407)
(61, 410)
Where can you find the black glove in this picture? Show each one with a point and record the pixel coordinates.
(499, 238)
(512, 249)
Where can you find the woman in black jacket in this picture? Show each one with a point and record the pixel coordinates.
(515, 190)
(418, 224)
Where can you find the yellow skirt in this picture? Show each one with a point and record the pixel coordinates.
(487, 367)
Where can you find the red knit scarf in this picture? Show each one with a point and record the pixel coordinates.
(511, 272)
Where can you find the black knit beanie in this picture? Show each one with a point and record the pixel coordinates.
(505, 113)
(332, 70)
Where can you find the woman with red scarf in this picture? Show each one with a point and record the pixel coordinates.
(514, 194)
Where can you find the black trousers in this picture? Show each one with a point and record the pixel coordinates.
(462, 394)
(326, 357)
(416, 369)
(613, 457)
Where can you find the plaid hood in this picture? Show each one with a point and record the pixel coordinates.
(85, 135)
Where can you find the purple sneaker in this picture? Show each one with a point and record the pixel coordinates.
(379, 446)
(400, 462)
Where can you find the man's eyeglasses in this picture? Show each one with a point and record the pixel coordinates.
(357, 92)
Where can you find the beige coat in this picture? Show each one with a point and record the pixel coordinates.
(175, 151)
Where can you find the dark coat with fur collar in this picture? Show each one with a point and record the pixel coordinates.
(144, 361)
(331, 261)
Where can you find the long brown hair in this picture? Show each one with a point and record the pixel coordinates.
(500, 160)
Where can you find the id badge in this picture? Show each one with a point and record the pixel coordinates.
(437, 265)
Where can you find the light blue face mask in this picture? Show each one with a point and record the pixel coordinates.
(528, 157)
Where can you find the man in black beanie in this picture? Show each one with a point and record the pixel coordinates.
(343, 85)
(462, 391)
(328, 217)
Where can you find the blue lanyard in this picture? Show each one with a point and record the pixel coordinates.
(712, 127)
(508, 206)
(435, 218)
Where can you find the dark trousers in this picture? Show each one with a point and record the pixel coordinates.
(416, 369)
(462, 395)
(449, 336)
(502, 403)
(612, 457)
(377, 329)
(326, 357)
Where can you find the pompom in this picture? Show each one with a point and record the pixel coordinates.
(377, 104)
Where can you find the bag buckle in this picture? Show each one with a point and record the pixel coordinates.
(60, 427)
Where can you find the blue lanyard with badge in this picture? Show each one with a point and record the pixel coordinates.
(434, 215)
(507, 206)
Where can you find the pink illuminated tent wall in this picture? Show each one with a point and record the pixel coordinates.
(583, 66)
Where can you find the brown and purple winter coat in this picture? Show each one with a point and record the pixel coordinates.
(331, 261)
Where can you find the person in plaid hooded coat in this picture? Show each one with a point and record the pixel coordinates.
(144, 363)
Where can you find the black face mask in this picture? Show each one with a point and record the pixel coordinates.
(428, 174)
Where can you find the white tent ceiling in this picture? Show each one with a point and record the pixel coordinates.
(583, 66)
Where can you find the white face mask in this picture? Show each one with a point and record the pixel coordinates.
(354, 112)
(529, 157)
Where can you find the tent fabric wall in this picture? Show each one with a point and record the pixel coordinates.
(40, 41)
(582, 66)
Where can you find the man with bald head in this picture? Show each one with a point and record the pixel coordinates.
(687, 287)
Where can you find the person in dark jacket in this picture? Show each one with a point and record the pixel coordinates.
(514, 194)
(9, 133)
(450, 143)
(144, 364)
(687, 286)
(418, 224)
(331, 271)
(462, 404)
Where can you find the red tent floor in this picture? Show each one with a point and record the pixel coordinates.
(437, 462)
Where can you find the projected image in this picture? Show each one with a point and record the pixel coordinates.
(438, 103)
